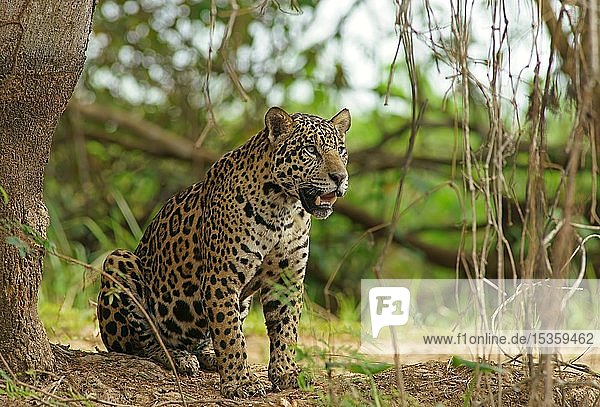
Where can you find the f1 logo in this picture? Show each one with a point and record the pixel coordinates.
(388, 307)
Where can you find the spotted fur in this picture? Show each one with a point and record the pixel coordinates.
(244, 229)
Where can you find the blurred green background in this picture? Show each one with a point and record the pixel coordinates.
(171, 85)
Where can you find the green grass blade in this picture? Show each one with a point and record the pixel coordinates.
(479, 366)
(127, 214)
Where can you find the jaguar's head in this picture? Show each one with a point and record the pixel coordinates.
(310, 157)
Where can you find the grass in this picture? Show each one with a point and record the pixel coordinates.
(77, 326)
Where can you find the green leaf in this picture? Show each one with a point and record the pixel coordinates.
(301, 354)
(21, 246)
(368, 368)
(29, 231)
(482, 367)
(4, 195)
(48, 245)
(4, 376)
(304, 381)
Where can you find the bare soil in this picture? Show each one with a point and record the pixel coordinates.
(122, 380)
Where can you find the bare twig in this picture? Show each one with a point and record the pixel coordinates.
(417, 109)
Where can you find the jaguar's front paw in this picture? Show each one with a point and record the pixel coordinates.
(242, 389)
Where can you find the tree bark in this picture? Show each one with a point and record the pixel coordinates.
(42, 52)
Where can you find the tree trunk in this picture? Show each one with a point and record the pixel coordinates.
(42, 52)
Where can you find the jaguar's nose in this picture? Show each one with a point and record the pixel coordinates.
(338, 177)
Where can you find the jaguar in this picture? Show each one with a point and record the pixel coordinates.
(243, 230)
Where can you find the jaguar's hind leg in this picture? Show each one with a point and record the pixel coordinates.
(123, 326)
(206, 355)
(118, 315)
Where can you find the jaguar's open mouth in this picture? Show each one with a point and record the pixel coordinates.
(327, 199)
(317, 203)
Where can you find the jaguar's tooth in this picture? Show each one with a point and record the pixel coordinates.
(318, 201)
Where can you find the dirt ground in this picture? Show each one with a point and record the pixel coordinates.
(120, 380)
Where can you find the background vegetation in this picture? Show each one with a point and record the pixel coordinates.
(472, 134)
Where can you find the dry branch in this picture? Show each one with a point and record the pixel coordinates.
(559, 37)
(169, 141)
(434, 254)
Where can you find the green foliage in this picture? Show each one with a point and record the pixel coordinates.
(4, 195)
(66, 322)
(305, 380)
(11, 389)
(476, 366)
(367, 367)
(325, 360)
(24, 392)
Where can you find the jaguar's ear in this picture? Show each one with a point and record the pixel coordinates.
(342, 121)
(277, 123)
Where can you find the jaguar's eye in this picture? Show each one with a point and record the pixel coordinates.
(311, 149)
(342, 150)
